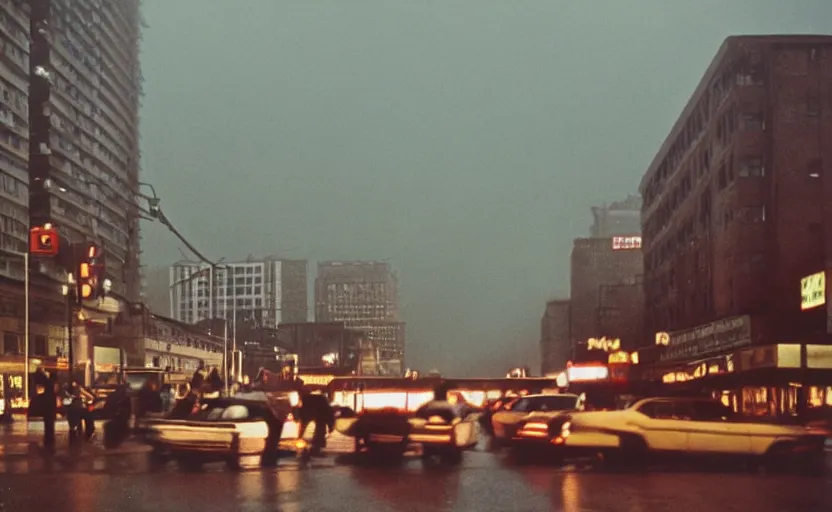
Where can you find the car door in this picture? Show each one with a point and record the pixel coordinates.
(505, 420)
(716, 429)
(663, 424)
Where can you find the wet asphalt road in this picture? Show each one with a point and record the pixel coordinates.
(484, 482)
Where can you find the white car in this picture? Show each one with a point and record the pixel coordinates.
(691, 426)
(247, 430)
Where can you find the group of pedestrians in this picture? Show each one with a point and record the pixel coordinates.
(120, 406)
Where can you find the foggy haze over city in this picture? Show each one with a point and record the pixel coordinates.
(463, 141)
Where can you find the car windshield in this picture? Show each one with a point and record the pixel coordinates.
(546, 403)
(222, 412)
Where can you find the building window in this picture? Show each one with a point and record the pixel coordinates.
(10, 344)
(757, 262)
(41, 348)
(751, 122)
(813, 104)
(752, 168)
(814, 168)
(753, 214)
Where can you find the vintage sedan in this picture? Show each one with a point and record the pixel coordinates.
(440, 429)
(385, 430)
(691, 427)
(245, 430)
(507, 421)
(444, 431)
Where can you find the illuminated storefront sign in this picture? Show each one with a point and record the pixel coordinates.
(587, 373)
(813, 291)
(605, 344)
(662, 338)
(623, 243)
(730, 333)
(316, 380)
(620, 357)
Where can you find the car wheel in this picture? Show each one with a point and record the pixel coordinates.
(812, 464)
(776, 458)
(632, 454)
(452, 457)
(158, 457)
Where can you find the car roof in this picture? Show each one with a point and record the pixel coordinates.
(675, 399)
(541, 395)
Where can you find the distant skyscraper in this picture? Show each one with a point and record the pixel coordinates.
(364, 296)
(555, 343)
(621, 218)
(266, 292)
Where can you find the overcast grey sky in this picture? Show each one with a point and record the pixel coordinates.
(464, 140)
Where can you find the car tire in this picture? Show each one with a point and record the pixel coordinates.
(633, 454)
(776, 458)
(780, 459)
(812, 464)
(158, 457)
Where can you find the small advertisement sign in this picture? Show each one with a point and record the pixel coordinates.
(813, 291)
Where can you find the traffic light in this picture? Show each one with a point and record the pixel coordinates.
(90, 272)
(44, 241)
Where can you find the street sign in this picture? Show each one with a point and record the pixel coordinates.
(813, 291)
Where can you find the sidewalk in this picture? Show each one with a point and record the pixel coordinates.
(24, 438)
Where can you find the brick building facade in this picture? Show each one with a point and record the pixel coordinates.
(735, 201)
(735, 214)
(599, 265)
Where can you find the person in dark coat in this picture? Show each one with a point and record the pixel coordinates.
(82, 398)
(119, 409)
(316, 408)
(215, 381)
(45, 405)
(190, 403)
(149, 399)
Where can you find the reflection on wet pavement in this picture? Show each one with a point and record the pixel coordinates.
(484, 482)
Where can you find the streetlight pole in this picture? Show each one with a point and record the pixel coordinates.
(225, 357)
(26, 328)
(227, 269)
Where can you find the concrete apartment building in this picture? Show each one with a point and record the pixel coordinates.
(263, 292)
(71, 83)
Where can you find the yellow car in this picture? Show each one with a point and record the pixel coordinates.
(506, 422)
